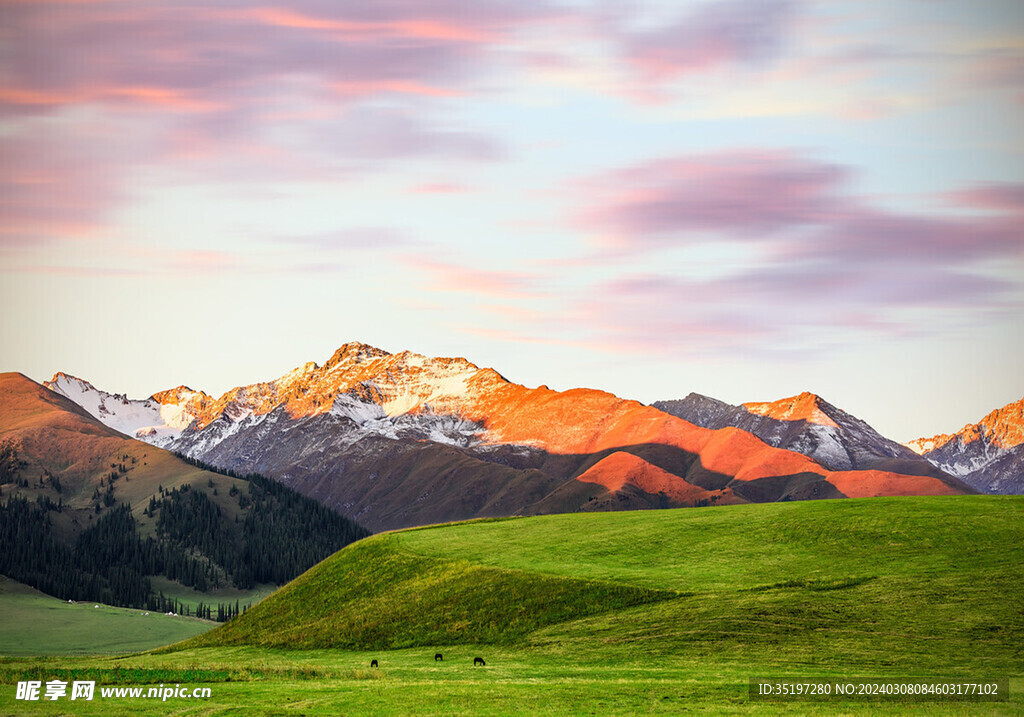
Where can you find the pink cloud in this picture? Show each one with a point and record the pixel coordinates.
(999, 68)
(779, 309)
(57, 183)
(751, 193)
(214, 90)
(371, 134)
(735, 31)
(868, 235)
(772, 196)
(59, 54)
(827, 260)
(161, 97)
(998, 197)
(425, 28)
(362, 89)
(446, 277)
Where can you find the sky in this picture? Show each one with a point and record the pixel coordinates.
(743, 198)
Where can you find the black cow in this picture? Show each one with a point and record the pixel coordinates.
(438, 657)
(373, 663)
(479, 661)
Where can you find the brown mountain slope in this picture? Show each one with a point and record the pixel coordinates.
(621, 469)
(59, 440)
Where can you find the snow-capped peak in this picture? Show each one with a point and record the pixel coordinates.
(298, 374)
(351, 353)
(158, 419)
(920, 446)
(986, 454)
(398, 384)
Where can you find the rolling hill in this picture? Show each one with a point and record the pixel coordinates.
(922, 583)
(643, 612)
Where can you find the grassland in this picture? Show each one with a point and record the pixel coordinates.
(615, 613)
(32, 623)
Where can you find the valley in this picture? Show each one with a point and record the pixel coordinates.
(37, 624)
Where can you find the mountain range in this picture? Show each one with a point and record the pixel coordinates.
(394, 440)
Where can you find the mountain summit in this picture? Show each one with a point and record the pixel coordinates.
(403, 439)
(807, 407)
(359, 381)
(988, 455)
(810, 425)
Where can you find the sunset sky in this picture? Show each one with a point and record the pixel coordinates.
(747, 199)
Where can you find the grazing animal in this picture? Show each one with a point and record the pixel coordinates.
(373, 663)
(438, 657)
(479, 661)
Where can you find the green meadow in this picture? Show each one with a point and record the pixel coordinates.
(609, 613)
(32, 623)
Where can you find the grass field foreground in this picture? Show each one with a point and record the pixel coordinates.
(669, 611)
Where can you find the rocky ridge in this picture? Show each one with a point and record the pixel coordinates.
(988, 455)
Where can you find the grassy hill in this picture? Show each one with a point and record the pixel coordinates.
(917, 582)
(378, 595)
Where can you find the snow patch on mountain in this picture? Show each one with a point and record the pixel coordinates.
(148, 419)
(921, 446)
(361, 412)
(374, 419)
(196, 444)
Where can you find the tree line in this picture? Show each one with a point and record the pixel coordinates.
(276, 534)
